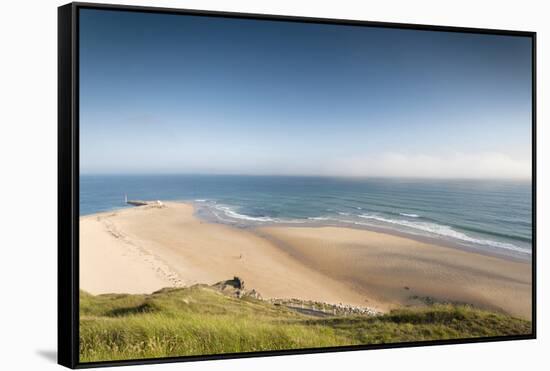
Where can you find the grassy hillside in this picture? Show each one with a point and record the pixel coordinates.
(203, 320)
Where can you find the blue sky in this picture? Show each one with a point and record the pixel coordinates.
(185, 94)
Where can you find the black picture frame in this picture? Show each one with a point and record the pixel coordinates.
(68, 182)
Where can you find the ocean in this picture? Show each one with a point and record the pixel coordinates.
(489, 215)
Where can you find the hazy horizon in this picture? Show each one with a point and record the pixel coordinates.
(359, 177)
(168, 94)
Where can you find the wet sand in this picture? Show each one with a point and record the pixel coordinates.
(399, 271)
(142, 249)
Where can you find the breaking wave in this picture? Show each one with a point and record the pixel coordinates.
(444, 231)
(410, 215)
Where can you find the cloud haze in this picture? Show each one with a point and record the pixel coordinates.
(458, 165)
(389, 164)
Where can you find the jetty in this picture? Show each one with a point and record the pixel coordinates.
(142, 203)
(137, 202)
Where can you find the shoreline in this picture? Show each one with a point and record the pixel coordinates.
(493, 252)
(173, 247)
(502, 253)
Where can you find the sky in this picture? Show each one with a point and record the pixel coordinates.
(165, 94)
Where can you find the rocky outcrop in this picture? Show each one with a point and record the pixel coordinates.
(235, 287)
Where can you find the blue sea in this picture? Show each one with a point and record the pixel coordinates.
(488, 215)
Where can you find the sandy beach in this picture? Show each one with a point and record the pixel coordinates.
(142, 249)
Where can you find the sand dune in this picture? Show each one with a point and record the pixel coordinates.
(143, 249)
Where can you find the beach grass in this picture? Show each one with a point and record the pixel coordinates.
(201, 320)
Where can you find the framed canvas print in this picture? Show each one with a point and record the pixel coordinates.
(237, 185)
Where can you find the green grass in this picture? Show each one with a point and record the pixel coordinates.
(200, 320)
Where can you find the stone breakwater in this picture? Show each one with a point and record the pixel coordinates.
(324, 309)
(236, 288)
